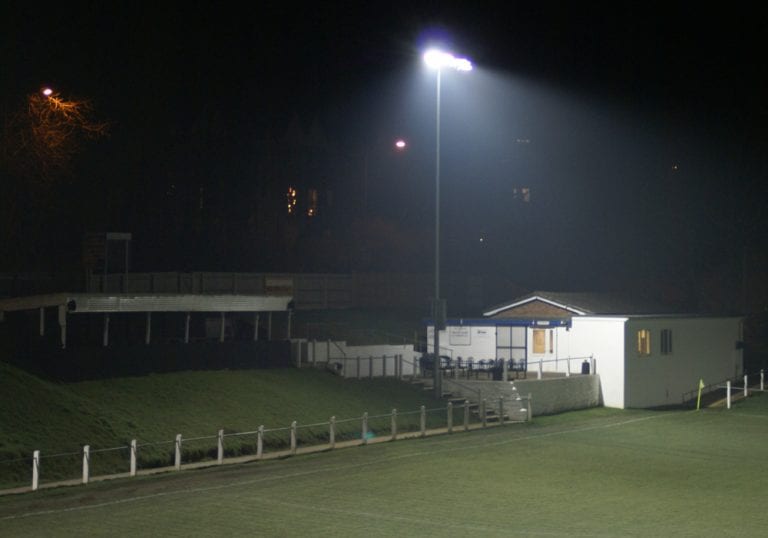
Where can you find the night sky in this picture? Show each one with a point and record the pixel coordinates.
(637, 128)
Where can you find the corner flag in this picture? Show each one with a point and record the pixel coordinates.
(698, 400)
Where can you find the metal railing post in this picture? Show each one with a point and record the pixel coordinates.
(260, 442)
(35, 470)
(393, 424)
(177, 455)
(449, 419)
(745, 386)
(423, 421)
(220, 447)
(332, 432)
(293, 437)
(133, 457)
(86, 463)
(466, 415)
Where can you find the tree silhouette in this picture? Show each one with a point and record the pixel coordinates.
(39, 143)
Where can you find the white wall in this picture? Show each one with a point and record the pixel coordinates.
(556, 360)
(602, 338)
(478, 342)
(702, 348)
(364, 361)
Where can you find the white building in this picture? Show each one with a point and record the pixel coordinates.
(645, 355)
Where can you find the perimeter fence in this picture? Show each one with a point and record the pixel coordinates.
(722, 393)
(40, 470)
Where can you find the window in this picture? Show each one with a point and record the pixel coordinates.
(666, 341)
(551, 342)
(291, 199)
(539, 341)
(643, 342)
(312, 203)
(522, 194)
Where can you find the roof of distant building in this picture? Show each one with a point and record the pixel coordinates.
(589, 303)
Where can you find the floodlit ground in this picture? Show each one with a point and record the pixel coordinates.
(590, 473)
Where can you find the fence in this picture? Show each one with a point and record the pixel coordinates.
(497, 368)
(728, 385)
(745, 388)
(584, 365)
(370, 366)
(402, 360)
(134, 459)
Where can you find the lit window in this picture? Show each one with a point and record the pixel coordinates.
(539, 341)
(521, 193)
(291, 196)
(551, 341)
(643, 342)
(312, 203)
(666, 341)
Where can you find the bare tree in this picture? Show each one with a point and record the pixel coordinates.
(38, 146)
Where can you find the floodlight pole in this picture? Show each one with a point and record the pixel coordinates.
(437, 308)
(438, 59)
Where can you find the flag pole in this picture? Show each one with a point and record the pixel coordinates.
(698, 400)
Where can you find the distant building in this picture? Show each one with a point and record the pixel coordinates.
(645, 355)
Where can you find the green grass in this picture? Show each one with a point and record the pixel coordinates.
(591, 473)
(60, 418)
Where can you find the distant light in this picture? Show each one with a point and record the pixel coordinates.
(400, 144)
(675, 167)
(437, 59)
(47, 92)
(482, 239)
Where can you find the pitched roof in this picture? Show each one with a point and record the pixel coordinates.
(588, 303)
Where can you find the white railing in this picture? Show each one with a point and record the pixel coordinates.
(744, 388)
(362, 367)
(263, 443)
(564, 365)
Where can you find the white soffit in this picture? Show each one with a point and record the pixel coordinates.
(104, 302)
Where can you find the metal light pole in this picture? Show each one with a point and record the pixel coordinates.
(438, 60)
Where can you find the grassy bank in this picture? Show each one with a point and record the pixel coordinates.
(599, 472)
(58, 418)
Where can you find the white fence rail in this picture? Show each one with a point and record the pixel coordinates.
(744, 389)
(262, 443)
(565, 365)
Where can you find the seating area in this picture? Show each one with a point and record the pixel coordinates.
(470, 368)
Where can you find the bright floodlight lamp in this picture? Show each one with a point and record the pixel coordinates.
(437, 60)
(400, 144)
(47, 92)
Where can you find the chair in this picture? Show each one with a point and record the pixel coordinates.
(460, 366)
(446, 365)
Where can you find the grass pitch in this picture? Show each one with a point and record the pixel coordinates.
(591, 473)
